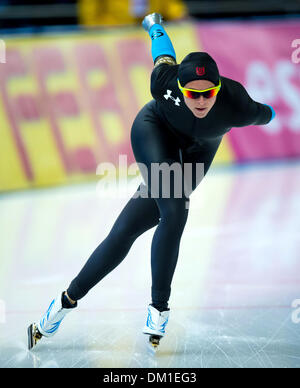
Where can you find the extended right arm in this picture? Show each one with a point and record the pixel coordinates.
(250, 112)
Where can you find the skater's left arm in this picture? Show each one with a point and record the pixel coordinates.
(250, 112)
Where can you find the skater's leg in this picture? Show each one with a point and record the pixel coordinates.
(139, 215)
(158, 316)
(165, 248)
(153, 144)
(173, 218)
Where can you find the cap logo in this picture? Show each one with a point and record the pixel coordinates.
(200, 70)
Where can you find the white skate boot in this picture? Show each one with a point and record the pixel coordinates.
(50, 321)
(156, 325)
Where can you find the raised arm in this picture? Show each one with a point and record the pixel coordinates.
(162, 49)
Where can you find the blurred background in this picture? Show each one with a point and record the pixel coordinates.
(33, 13)
(73, 76)
(71, 81)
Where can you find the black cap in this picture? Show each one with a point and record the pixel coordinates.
(198, 65)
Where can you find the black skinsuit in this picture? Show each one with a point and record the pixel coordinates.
(165, 130)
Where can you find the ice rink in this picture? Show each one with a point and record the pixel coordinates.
(234, 293)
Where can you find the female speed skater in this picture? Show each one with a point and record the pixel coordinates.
(192, 108)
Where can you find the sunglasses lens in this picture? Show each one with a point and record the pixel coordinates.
(191, 94)
(195, 95)
(214, 92)
(210, 93)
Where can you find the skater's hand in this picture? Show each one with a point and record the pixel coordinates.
(151, 19)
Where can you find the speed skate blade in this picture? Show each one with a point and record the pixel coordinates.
(153, 343)
(33, 336)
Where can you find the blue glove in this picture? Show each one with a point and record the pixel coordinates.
(273, 112)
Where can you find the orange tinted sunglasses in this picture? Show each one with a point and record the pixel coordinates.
(194, 94)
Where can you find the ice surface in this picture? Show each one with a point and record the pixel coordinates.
(231, 304)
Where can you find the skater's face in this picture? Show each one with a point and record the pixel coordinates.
(200, 106)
